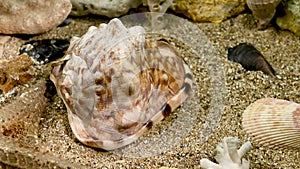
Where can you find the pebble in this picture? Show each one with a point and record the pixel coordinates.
(32, 16)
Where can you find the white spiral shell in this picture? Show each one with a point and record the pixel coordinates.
(116, 84)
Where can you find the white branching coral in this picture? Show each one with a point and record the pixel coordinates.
(228, 155)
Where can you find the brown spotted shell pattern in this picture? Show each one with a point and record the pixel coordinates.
(263, 10)
(116, 84)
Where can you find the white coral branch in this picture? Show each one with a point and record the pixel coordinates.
(228, 155)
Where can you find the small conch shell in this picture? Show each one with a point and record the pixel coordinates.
(116, 84)
(263, 10)
(250, 58)
(273, 122)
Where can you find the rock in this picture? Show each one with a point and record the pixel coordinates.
(14, 72)
(109, 8)
(291, 20)
(116, 8)
(32, 16)
(209, 11)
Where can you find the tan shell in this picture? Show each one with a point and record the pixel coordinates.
(116, 84)
(263, 10)
(273, 122)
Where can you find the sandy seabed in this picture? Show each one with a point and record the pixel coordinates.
(56, 144)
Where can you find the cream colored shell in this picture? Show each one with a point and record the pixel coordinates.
(116, 84)
(263, 10)
(273, 123)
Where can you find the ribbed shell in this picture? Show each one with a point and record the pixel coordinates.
(273, 122)
(116, 84)
(263, 10)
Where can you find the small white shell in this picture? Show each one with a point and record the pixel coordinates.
(116, 84)
(273, 122)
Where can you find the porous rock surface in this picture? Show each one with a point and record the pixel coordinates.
(109, 8)
(208, 10)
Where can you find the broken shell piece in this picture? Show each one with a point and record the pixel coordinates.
(250, 58)
(273, 122)
(263, 10)
(228, 155)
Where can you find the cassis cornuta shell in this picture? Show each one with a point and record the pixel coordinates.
(116, 84)
(263, 10)
(273, 123)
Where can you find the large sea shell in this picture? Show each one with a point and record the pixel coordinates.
(273, 122)
(263, 10)
(116, 84)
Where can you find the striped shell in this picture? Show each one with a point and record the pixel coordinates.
(116, 84)
(263, 10)
(273, 122)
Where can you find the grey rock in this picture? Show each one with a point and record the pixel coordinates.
(109, 8)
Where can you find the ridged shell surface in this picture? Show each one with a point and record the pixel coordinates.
(273, 123)
(116, 84)
(263, 10)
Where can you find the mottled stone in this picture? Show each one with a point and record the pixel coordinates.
(291, 19)
(209, 11)
(107, 8)
(32, 16)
